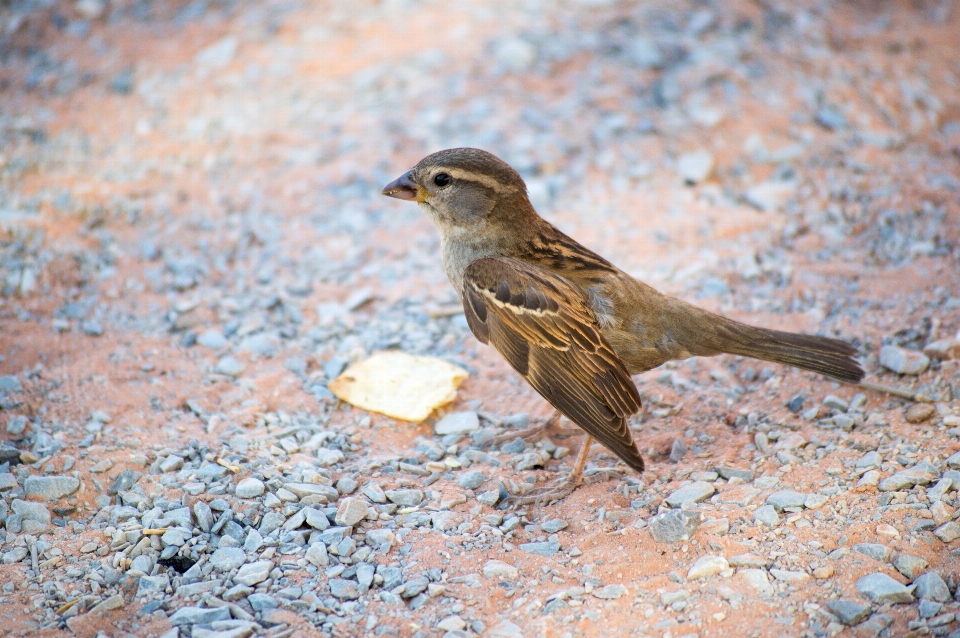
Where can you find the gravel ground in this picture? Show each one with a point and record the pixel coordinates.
(193, 244)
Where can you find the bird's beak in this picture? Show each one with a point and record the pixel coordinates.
(401, 188)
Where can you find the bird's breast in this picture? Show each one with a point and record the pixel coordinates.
(458, 254)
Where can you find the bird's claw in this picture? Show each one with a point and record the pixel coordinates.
(599, 475)
(529, 434)
(546, 495)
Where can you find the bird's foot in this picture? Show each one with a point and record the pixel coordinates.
(600, 474)
(529, 434)
(546, 495)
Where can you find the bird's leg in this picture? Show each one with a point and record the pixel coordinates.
(565, 487)
(528, 434)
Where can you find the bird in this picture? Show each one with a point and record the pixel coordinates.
(572, 324)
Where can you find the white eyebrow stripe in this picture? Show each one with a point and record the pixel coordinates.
(485, 180)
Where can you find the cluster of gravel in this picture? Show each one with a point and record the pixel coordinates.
(289, 517)
(781, 562)
(223, 541)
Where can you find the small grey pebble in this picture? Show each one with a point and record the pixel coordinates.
(92, 328)
(796, 403)
(346, 485)
(516, 446)
(471, 480)
(554, 525)
(677, 451)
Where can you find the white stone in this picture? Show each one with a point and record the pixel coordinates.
(254, 572)
(696, 492)
(882, 589)
(786, 576)
(948, 532)
(451, 623)
(695, 166)
(229, 366)
(212, 339)
(770, 196)
(943, 349)
(505, 629)
(707, 566)
(757, 579)
(767, 515)
(920, 474)
(374, 492)
(308, 489)
(458, 423)
(351, 511)
(172, 537)
(227, 558)
(941, 512)
(50, 488)
(443, 521)
(903, 361)
(515, 53)
(376, 538)
(249, 488)
(610, 592)
(500, 571)
(219, 54)
(7, 481)
(327, 457)
(870, 478)
(315, 518)
(317, 555)
(295, 522)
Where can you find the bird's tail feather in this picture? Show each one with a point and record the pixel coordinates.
(831, 357)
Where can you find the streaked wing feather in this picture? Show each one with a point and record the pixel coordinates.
(476, 314)
(511, 345)
(584, 408)
(546, 331)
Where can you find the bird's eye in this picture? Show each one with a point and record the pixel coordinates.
(442, 179)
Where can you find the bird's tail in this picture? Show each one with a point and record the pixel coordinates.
(831, 357)
(704, 333)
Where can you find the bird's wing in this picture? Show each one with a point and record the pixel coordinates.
(544, 328)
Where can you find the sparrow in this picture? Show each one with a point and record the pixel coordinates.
(572, 324)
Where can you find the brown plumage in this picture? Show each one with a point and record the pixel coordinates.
(544, 328)
(570, 322)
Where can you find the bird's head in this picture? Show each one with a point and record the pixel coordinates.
(461, 187)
